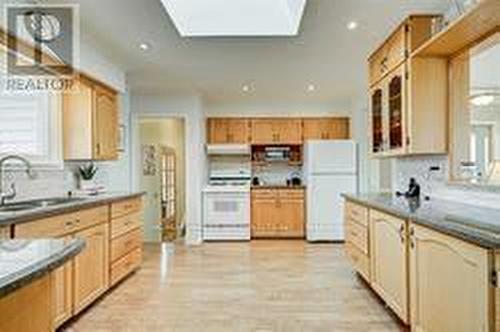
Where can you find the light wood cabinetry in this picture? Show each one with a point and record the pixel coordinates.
(4, 233)
(90, 122)
(406, 38)
(409, 100)
(91, 267)
(326, 128)
(228, 131)
(62, 283)
(449, 283)
(113, 250)
(28, 309)
(270, 131)
(126, 239)
(356, 238)
(278, 213)
(277, 131)
(389, 261)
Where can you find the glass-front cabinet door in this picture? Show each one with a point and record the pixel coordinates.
(377, 120)
(395, 85)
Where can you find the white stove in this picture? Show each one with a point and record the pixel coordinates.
(226, 206)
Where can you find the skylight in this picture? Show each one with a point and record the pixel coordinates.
(232, 18)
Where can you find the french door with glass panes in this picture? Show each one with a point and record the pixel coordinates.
(168, 194)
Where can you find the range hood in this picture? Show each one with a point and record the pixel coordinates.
(228, 149)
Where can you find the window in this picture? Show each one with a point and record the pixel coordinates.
(30, 125)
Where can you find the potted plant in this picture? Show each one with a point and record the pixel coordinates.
(87, 173)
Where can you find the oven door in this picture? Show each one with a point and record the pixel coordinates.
(226, 209)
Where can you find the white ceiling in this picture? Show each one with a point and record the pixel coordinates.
(325, 53)
(202, 18)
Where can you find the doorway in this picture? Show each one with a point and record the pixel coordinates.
(162, 142)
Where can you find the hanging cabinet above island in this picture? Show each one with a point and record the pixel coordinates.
(408, 95)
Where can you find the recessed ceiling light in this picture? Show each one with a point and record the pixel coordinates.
(352, 25)
(482, 100)
(246, 88)
(144, 46)
(311, 88)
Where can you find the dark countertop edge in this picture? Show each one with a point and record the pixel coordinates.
(92, 201)
(450, 229)
(278, 187)
(27, 276)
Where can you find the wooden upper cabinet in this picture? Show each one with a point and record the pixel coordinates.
(326, 128)
(450, 276)
(408, 97)
(277, 131)
(105, 124)
(228, 131)
(410, 34)
(90, 122)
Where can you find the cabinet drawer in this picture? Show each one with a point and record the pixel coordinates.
(125, 265)
(63, 224)
(90, 217)
(125, 207)
(264, 194)
(124, 244)
(357, 235)
(291, 193)
(359, 260)
(125, 224)
(357, 213)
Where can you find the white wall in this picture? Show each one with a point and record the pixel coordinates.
(190, 108)
(277, 108)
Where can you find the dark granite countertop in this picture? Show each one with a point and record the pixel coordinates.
(12, 218)
(267, 187)
(474, 224)
(24, 261)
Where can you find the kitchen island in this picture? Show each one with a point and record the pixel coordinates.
(26, 287)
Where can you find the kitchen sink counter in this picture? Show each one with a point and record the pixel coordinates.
(24, 261)
(17, 217)
(474, 224)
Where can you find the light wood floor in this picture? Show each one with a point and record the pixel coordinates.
(260, 286)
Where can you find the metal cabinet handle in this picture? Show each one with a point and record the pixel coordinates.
(402, 233)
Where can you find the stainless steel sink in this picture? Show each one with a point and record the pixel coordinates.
(58, 201)
(39, 203)
(18, 207)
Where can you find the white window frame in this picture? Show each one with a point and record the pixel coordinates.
(53, 158)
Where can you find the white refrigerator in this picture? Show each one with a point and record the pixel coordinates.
(330, 169)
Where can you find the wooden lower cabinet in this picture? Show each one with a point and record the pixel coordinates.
(278, 213)
(449, 283)
(91, 267)
(126, 239)
(62, 282)
(4, 233)
(87, 276)
(28, 309)
(389, 261)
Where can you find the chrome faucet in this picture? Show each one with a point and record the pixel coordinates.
(12, 193)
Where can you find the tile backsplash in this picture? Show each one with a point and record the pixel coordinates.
(276, 173)
(435, 183)
(52, 183)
